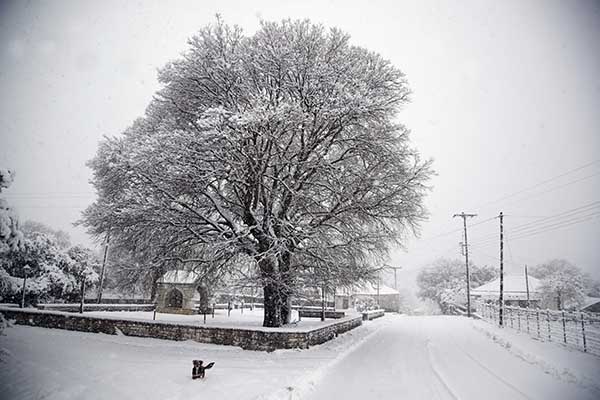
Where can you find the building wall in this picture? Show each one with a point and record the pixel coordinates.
(190, 297)
(388, 302)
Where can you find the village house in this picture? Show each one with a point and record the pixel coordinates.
(517, 291)
(383, 296)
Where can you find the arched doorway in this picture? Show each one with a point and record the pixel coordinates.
(174, 298)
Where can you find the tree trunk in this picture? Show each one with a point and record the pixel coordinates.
(157, 273)
(271, 292)
(286, 288)
(272, 303)
(286, 309)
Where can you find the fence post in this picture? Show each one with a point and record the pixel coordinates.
(583, 334)
(537, 317)
(564, 327)
(548, 320)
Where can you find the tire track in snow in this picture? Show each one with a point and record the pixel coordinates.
(489, 371)
(436, 372)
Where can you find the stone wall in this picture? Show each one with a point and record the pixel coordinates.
(327, 333)
(115, 300)
(312, 313)
(250, 339)
(369, 315)
(96, 307)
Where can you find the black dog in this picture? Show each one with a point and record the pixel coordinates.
(198, 369)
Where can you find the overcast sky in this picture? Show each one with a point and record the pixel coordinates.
(506, 101)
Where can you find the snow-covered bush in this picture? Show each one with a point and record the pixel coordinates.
(365, 304)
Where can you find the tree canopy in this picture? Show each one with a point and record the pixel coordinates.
(281, 146)
(563, 284)
(444, 281)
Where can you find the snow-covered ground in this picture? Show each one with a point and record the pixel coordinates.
(391, 357)
(44, 363)
(248, 319)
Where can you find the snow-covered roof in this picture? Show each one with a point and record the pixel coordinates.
(370, 290)
(179, 276)
(589, 301)
(514, 288)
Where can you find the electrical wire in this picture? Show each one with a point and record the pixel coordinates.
(543, 183)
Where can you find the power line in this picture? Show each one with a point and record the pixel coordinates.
(555, 188)
(549, 228)
(581, 167)
(583, 208)
(541, 183)
(456, 230)
(565, 216)
(558, 226)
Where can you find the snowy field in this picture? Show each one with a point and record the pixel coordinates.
(391, 357)
(252, 319)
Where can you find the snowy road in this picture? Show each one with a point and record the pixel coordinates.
(441, 358)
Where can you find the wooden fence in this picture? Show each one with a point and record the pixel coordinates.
(576, 330)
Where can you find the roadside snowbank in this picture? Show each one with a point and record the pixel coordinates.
(559, 361)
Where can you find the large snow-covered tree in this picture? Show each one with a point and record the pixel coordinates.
(444, 281)
(563, 284)
(282, 146)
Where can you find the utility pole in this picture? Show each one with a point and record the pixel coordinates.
(378, 278)
(101, 282)
(26, 271)
(464, 217)
(395, 276)
(527, 285)
(501, 309)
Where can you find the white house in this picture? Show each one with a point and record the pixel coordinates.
(385, 296)
(515, 290)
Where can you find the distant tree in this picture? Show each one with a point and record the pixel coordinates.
(592, 287)
(10, 234)
(83, 265)
(281, 146)
(55, 274)
(563, 284)
(61, 238)
(444, 281)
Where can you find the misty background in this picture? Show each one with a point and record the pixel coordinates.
(506, 100)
